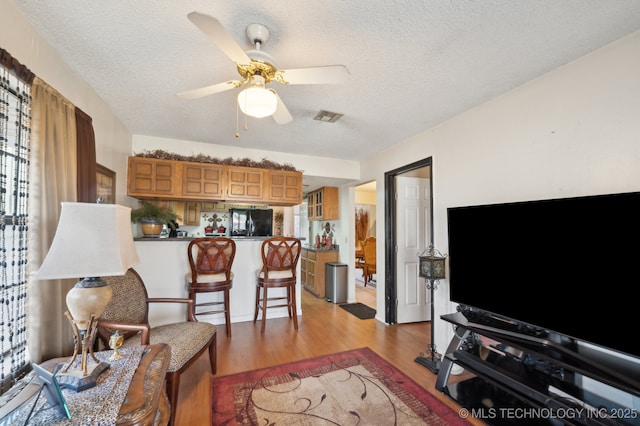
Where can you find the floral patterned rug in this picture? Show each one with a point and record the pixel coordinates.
(355, 387)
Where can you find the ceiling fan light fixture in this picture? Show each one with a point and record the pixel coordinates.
(256, 100)
(258, 69)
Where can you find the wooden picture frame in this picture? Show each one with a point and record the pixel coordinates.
(106, 184)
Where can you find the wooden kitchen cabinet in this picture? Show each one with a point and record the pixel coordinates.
(285, 187)
(150, 177)
(203, 181)
(191, 211)
(246, 184)
(312, 269)
(191, 215)
(173, 180)
(322, 204)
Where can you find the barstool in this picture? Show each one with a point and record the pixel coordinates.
(279, 260)
(210, 260)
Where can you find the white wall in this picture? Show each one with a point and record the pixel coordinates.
(113, 140)
(313, 166)
(575, 131)
(365, 197)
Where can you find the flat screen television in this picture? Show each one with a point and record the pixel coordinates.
(569, 265)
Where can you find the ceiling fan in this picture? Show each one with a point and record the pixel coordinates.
(257, 69)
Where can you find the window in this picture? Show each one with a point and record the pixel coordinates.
(15, 125)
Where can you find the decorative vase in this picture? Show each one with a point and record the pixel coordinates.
(221, 229)
(151, 228)
(208, 229)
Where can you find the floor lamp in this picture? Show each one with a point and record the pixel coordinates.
(432, 267)
(91, 241)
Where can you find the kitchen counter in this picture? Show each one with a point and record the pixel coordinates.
(313, 261)
(164, 266)
(193, 238)
(321, 249)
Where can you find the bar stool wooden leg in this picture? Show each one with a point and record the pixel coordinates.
(293, 309)
(255, 314)
(264, 308)
(227, 312)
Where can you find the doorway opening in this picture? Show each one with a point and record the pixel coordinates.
(407, 233)
(365, 230)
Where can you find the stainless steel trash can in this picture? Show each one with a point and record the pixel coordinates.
(336, 282)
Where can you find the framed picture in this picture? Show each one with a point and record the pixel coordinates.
(52, 390)
(106, 184)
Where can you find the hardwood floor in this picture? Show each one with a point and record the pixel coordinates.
(324, 328)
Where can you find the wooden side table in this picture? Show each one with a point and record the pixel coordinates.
(146, 402)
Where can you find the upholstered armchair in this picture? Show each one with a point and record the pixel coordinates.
(128, 312)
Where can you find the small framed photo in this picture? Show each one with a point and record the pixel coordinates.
(52, 390)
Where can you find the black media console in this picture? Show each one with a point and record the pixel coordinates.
(523, 375)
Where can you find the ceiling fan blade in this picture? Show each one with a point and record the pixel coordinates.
(219, 35)
(331, 74)
(208, 90)
(282, 114)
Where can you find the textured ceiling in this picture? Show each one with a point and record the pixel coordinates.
(412, 64)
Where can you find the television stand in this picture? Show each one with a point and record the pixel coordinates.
(526, 379)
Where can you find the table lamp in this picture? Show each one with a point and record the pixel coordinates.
(91, 241)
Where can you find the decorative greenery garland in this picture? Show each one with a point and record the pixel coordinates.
(201, 158)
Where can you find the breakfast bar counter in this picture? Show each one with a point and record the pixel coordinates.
(164, 266)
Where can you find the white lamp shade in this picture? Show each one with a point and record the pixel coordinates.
(257, 101)
(92, 240)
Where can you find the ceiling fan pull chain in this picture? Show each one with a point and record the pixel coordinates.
(237, 132)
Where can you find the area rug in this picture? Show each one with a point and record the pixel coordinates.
(355, 387)
(360, 310)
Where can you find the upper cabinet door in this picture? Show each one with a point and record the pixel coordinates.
(246, 183)
(203, 181)
(285, 187)
(323, 204)
(149, 177)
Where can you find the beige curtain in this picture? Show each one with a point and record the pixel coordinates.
(53, 179)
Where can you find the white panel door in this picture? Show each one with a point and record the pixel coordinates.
(412, 213)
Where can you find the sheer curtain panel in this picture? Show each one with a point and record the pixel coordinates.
(15, 124)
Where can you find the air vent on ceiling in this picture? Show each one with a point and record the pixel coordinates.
(327, 116)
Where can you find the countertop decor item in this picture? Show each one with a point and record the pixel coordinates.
(278, 220)
(82, 248)
(152, 217)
